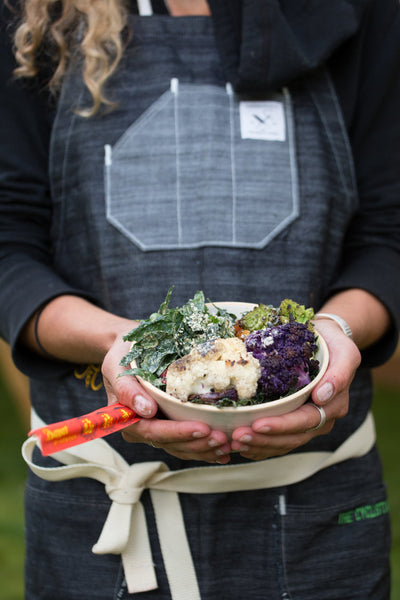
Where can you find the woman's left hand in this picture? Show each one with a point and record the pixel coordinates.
(276, 436)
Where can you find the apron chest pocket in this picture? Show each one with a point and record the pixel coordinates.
(201, 167)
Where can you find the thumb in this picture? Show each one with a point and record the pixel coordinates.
(125, 389)
(129, 392)
(344, 360)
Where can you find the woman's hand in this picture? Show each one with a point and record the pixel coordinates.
(125, 389)
(276, 436)
(187, 440)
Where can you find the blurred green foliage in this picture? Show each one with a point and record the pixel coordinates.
(12, 476)
(387, 417)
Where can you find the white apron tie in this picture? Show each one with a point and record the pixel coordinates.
(125, 530)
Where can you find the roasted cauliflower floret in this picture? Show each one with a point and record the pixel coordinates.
(214, 366)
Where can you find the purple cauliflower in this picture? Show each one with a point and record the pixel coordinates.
(285, 353)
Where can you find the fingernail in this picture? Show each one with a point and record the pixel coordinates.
(198, 434)
(219, 452)
(212, 443)
(245, 438)
(142, 405)
(263, 429)
(325, 393)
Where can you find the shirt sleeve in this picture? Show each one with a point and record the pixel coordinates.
(371, 254)
(27, 278)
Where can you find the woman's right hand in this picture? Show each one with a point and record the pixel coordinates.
(187, 440)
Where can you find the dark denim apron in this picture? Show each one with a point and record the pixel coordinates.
(247, 198)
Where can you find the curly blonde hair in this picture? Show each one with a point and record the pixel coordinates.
(94, 27)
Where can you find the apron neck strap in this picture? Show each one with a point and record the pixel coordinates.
(145, 8)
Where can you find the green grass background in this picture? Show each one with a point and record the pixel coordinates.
(12, 475)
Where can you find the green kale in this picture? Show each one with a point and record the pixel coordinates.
(171, 333)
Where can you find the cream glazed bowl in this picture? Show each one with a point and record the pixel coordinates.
(229, 418)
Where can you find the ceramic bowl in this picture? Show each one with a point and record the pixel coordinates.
(229, 418)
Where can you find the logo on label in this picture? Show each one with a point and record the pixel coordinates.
(362, 513)
(262, 120)
(91, 374)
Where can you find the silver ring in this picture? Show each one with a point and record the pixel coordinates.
(322, 420)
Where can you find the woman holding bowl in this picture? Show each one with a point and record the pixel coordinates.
(245, 149)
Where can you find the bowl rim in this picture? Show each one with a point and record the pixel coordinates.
(201, 408)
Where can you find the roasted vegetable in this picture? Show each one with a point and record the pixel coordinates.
(286, 355)
(266, 315)
(260, 317)
(292, 311)
(215, 366)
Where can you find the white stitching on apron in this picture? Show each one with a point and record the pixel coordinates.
(175, 91)
(229, 91)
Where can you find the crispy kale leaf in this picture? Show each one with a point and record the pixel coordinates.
(170, 333)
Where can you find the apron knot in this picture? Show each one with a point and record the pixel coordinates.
(127, 486)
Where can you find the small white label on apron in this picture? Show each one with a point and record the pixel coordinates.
(262, 121)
